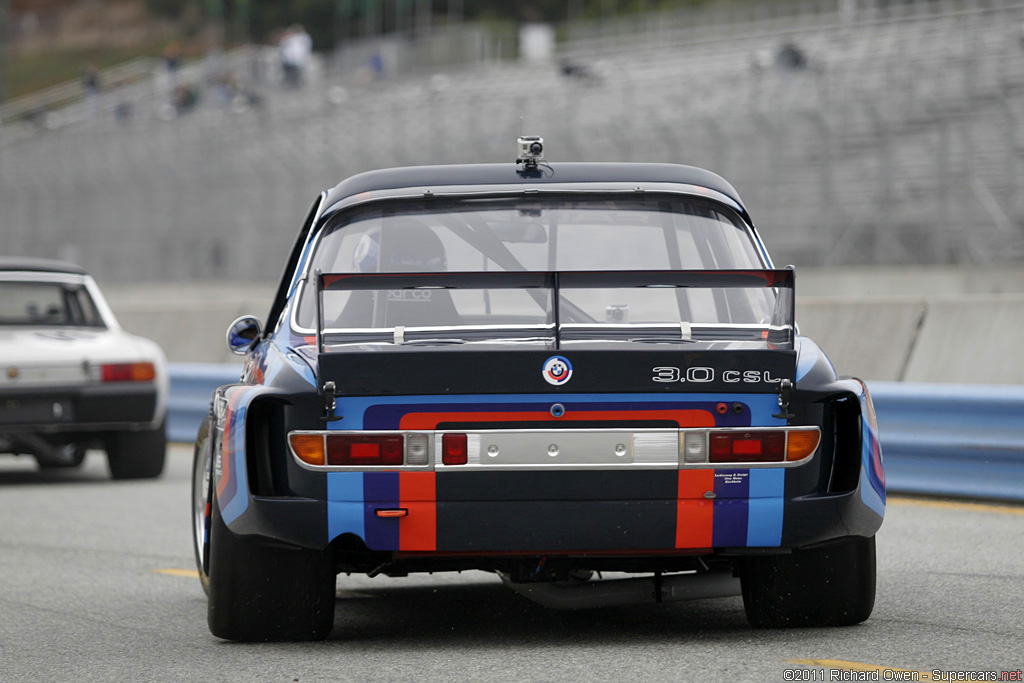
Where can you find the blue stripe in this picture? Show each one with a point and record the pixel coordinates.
(345, 504)
(729, 525)
(380, 490)
(237, 490)
(729, 528)
(764, 521)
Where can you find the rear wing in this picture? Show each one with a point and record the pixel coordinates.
(779, 333)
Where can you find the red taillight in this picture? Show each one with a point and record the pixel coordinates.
(454, 449)
(128, 372)
(370, 449)
(748, 447)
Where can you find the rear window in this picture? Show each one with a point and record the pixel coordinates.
(546, 234)
(47, 303)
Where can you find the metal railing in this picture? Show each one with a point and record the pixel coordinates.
(64, 94)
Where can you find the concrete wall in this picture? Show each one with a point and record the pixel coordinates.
(952, 325)
(972, 339)
(868, 338)
(189, 320)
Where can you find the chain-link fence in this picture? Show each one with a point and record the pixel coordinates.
(866, 137)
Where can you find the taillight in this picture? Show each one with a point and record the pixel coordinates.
(359, 449)
(801, 443)
(757, 446)
(753, 445)
(128, 372)
(454, 449)
(309, 448)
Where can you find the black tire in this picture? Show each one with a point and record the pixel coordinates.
(829, 586)
(137, 455)
(202, 494)
(259, 591)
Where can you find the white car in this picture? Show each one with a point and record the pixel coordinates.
(71, 379)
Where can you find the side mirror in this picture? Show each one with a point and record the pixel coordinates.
(241, 334)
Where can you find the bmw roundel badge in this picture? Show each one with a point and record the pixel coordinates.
(557, 370)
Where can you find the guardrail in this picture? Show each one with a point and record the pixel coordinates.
(192, 386)
(937, 439)
(952, 439)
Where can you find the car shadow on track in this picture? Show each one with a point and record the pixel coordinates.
(487, 614)
(22, 470)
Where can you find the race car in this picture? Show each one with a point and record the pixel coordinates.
(72, 379)
(556, 372)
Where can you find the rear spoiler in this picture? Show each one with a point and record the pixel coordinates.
(780, 331)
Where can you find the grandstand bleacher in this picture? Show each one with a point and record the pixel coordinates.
(899, 139)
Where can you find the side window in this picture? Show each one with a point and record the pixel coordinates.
(288, 279)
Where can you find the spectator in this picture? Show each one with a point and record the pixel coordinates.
(296, 49)
(790, 58)
(167, 73)
(91, 87)
(171, 57)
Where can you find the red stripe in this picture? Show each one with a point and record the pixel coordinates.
(694, 512)
(417, 492)
(683, 418)
(331, 279)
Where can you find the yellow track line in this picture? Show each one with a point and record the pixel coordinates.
(956, 505)
(190, 573)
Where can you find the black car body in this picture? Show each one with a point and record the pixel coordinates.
(544, 371)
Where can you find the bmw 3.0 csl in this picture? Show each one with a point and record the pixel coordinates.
(545, 371)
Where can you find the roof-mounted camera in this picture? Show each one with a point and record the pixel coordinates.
(531, 151)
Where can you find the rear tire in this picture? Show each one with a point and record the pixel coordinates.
(261, 592)
(202, 494)
(830, 586)
(137, 455)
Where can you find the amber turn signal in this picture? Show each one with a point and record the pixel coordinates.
(801, 443)
(309, 448)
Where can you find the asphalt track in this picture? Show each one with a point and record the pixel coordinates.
(97, 584)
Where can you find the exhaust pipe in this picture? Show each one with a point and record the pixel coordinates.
(617, 592)
(55, 456)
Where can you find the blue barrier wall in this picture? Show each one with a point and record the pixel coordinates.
(192, 386)
(952, 439)
(939, 439)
